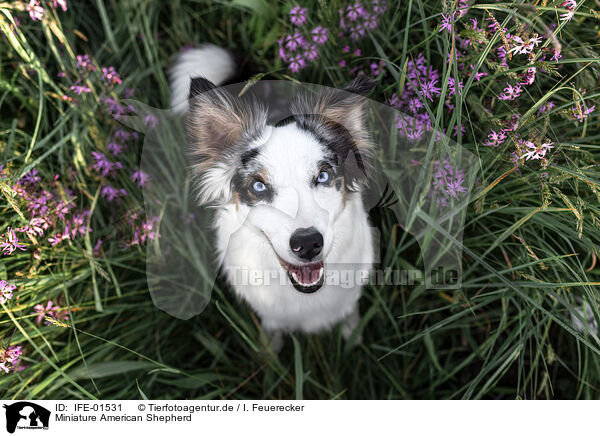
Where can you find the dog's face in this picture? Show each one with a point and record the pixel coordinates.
(289, 181)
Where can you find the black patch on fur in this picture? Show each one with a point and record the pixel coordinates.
(200, 85)
(362, 85)
(249, 155)
(242, 182)
(338, 143)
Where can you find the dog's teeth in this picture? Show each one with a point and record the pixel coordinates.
(307, 285)
(295, 277)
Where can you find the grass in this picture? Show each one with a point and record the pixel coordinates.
(529, 248)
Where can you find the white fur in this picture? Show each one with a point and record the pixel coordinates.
(209, 61)
(250, 238)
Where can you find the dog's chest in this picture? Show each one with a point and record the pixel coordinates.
(256, 276)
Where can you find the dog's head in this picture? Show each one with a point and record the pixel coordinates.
(289, 180)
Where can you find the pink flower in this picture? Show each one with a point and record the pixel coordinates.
(43, 311)
(298, 15)
(570, 6)
(151, 121)
(452, 86)
(10, 242)
(319, 35)
(524, 47)
(354, 11)
(141, 178)
(78, 89)
(58, 238)
(311, 53)
(447, 21)
(111, 193)
(61, 3)
(583, 114)
(84, 62)
(6, 291)
(111, 75)
(529, 76)
(510, 92)
(9, 357)
(36, 226)
(36, 12)
(495, 139)
(534, 151)
(296, 63)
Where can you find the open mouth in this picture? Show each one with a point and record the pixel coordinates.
(305, 278)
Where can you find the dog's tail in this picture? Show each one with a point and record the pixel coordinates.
(209, 61)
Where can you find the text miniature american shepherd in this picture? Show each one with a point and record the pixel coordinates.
(285, 198)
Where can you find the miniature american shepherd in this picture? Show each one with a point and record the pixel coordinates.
(287, 196)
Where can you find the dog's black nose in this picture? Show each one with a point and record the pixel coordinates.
(306, 243)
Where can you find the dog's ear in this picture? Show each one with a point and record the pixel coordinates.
(217, 120)
(346, 107)
(216, 124)
(361, 85)
(200, 85)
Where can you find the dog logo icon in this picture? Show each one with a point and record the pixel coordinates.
(26, 415)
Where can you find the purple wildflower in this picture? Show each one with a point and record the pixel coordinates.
(446, 23)
(452, 86)
(30, 178)
(6, 291)
(414, 104)
(36, 226)
(103, 165)
(293, 42)
(9, 243)
(429, 90)
(36, 12)
(357, 32)
(354, 11)
(115, 148)
(534, 151)
(78, 89)
(319, 35)
(112, 194)
(85, 63)
(42, 311)
(582, 114)
(58, 238)
(377, 68)
(495, 139)
(546, 107)
(141, 178)
(510, 92)
(151, 121)
(111, 75)
(311, 53)
(9, 357)
(296, 63)
(447, 182)
(570, 6)
(379, 6)
(298, 15)
(370, 21)
(60, 3)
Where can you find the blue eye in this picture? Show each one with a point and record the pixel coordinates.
(259, 186)
(323, 177)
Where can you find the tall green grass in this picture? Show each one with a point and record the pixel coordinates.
(530, 242)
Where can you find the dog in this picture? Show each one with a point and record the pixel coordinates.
(287, 196)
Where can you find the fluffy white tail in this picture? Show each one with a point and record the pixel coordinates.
(209, 61)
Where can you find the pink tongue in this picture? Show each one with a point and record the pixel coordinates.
(308, 274)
